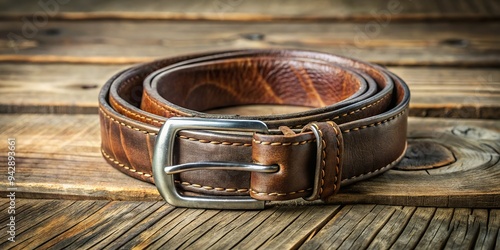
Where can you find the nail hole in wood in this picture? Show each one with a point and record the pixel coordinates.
(254, 36)
(455, 42)
(88, 86)
(52, 32)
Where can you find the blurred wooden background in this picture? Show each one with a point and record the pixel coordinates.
(56, 54)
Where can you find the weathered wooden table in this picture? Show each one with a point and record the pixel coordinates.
(55, 55)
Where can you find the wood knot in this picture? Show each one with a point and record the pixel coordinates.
(88, 86)
(84, 86)
(52, 32)
(253, 36)
(455, 42)
(421, 155)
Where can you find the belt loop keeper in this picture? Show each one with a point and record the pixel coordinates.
(294, 154)
(329, 159)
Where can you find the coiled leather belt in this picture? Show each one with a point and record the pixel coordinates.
(154, 127)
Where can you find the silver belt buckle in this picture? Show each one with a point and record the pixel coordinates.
(164, 170)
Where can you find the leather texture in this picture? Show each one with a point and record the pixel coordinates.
(359, 110)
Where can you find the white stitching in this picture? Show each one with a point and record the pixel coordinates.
(229, 190)
(225, 143)
(279, 194)
(266, 143)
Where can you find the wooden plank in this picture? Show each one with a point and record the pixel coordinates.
(70, 88)
(217, 230)
(465, 229)
(169, 226)
(235, 229)
(492, 238)
(354, 227)
(101, 224)
(481, 217)
(390, 232)
(20, 207)
(289, 229)
(125, 231)
(331, 236)
(52, 88)
(25, 208)
(173, 240)
(452, 92)
(256, 10)
(34, 213)
(445, 44)
(59, 156)
(52, 226)
(139, 224)
(414, 229)
(367, 229)
(439, 230)
(56, 153)
(421, 188)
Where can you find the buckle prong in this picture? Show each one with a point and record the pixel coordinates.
(221, 165)
(164, 168)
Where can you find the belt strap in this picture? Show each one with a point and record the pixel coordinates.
(355, 129)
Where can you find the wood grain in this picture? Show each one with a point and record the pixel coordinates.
(54, 223)
(52, 88)
(59, 157)
(415, 228)
(257, 10)
(58, 224)
(390, 231)
(68, 197)
(438, 230)
(119, 42)
(354, 227)
(476, 152)
(73, 89)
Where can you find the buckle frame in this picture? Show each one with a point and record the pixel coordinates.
(164, 170)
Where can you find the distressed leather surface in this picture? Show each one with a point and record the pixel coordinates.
(360, 110)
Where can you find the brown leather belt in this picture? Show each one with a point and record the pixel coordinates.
(355, 129)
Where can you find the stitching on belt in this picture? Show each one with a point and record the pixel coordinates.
(279, 194)
(161, 107)
(260, 142)
(126, 125)
(374, 171)
(123, 165)
(128, 81)
(184, 183)
(229, 190)
(225, 143)
(335, 179)
(253, 191)
(135, 114)
(348, 113)
(266, 143)
(375, 123)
